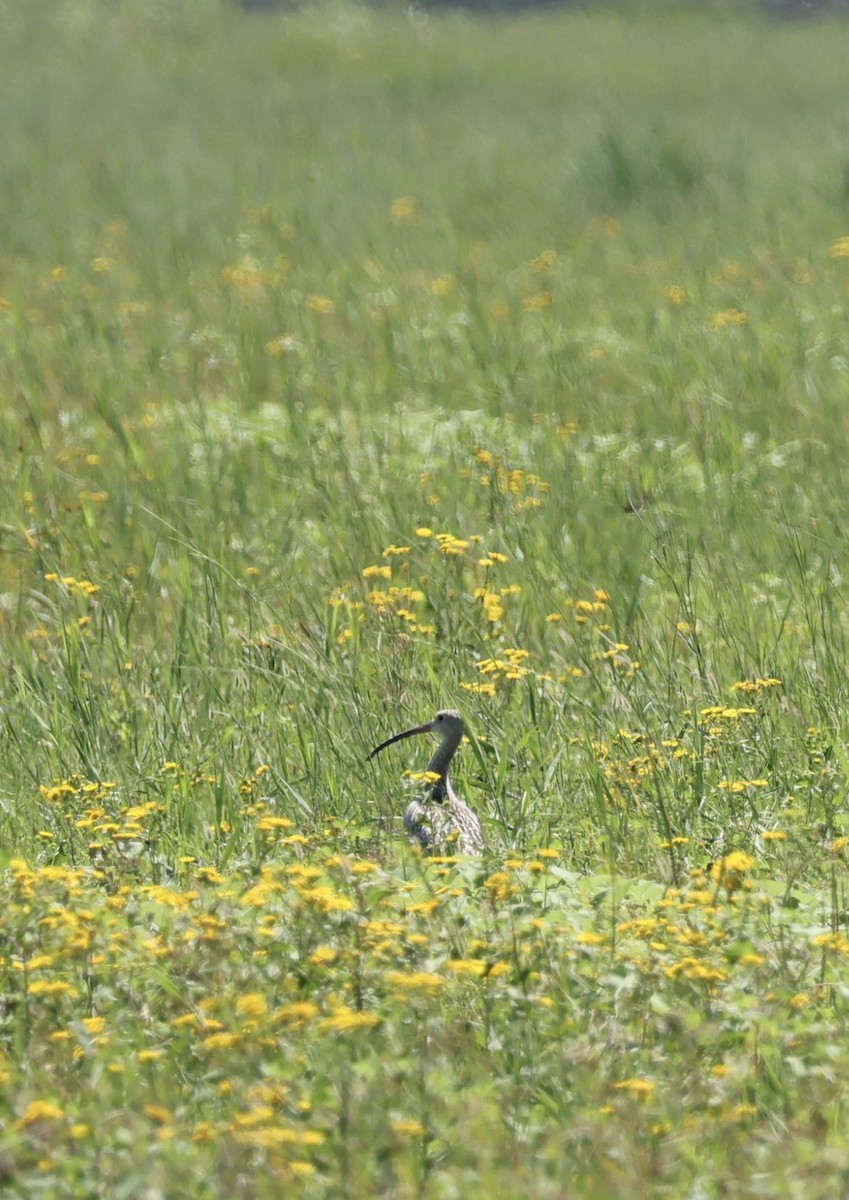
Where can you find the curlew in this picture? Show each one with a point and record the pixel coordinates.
(442, 820)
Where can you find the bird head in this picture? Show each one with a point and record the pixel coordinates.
(447, 723)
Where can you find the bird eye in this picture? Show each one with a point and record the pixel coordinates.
(439, 716)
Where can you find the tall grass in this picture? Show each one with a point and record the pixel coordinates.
(355, 365)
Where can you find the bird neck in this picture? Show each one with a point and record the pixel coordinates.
(439, 764)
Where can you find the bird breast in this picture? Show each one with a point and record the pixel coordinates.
(439, 827)
(418, 822)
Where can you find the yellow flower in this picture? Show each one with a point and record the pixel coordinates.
(51, 987)
(443, 285)
(284, 343)
(739, 1112)
(221, 1041)
(466, 966)
(479, 689)
(755, 685)
(321, 305)
(545, 261)
(405, 210)
(168, 897)
(253, 1005)
(326, 900)
(261, 1115)
(37, 962)
(449, 544)
(39, 1110)
(739, 785)
(323, 956)
(636, 1087)
(728, 316)
(408, 1128)
(346, 1019)
(538, 302)
(416, 981)
(737, 861)
(729, 871)
(296, 1014)
(268, 824)
(259, 895)
(591, 937)
(158, 1113)
(276, 1136)
(499, 885)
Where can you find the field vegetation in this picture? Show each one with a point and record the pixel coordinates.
(356, 364)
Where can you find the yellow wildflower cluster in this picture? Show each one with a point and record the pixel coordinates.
(529, 488)
(509, 666)
(404, 601)
(546, 261)
(618, 656)
(537, 301)
(82, 587)
(405, 210)
(491, 603)
(451, 545)
(399, 602)
(711, 717)
(625, 771)
(584, 609)
(755, 685)
(249, 278)
(322, 957)
(726, 317)
(731, 871)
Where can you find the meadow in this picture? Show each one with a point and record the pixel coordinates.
(355, 364)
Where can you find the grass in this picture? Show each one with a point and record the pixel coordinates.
(355, 365)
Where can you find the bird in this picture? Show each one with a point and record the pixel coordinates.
(442, 820)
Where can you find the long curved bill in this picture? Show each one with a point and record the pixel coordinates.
(398, 737)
